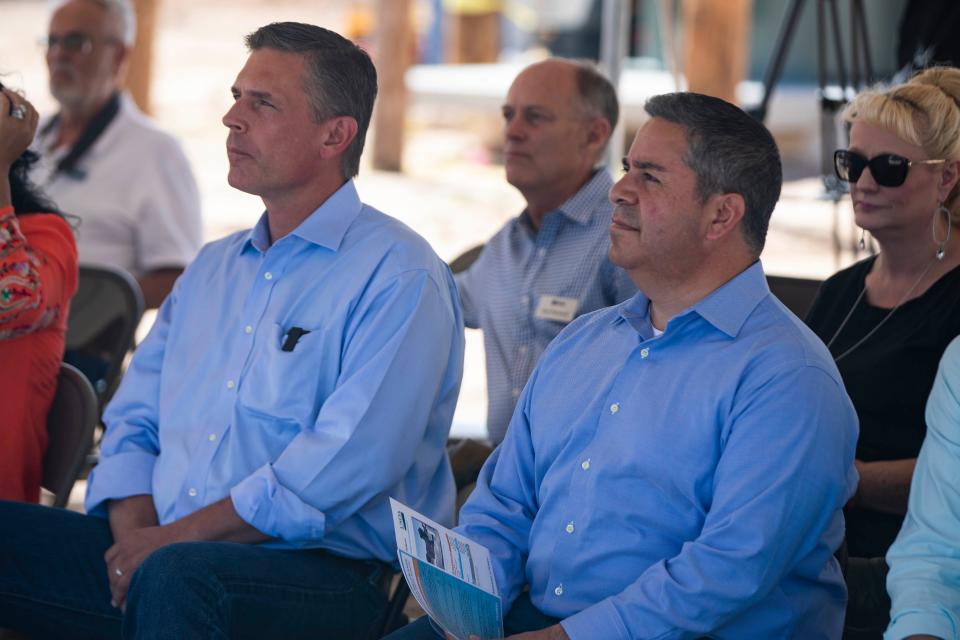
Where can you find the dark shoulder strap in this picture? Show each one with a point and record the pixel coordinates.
(99, 123)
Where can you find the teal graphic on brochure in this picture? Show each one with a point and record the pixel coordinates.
(450, 576)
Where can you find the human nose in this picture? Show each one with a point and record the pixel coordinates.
(233, 120)
(621, 192)
(54, 48)
(513, 128)
(866, 181)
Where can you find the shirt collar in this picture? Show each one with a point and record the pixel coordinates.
(326, 226)
(726, 308)
(581, 206)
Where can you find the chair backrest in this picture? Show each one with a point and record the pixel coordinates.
(104, 315)
(70, 424)
(465, 259)
(797, 294)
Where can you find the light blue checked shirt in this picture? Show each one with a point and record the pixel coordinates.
(924, 578)
(678, 486)
(566, 258)
(308, 442)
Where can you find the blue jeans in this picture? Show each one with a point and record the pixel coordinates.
(53, 584)
(523, 617)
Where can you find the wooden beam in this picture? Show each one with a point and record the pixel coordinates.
(473, 31)
(716, 40)
(140, 66)
(394, 52)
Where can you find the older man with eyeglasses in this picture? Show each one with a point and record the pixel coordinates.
(105, 161)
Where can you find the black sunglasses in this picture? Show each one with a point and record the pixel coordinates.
(887, 169)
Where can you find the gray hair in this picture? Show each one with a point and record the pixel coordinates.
(340, 79)
(121, 11)
(729, 152)
(597, 92)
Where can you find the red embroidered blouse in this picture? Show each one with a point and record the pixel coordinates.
(38, 276)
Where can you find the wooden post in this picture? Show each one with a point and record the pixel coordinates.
(140, 66)
(394, 49)
(716, 39)
(473, 31)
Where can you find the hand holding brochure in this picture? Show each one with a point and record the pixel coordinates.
(450, 576)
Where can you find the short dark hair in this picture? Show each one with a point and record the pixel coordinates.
(597, 93)
(730, 152)
(340, 80)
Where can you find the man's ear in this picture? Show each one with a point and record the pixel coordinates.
(724, 211)
(598, 133)
(336, 135)
(122, 58)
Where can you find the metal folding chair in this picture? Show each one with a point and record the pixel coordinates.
(797, 294)
(104, 315)
(465, 259)
(70, 424)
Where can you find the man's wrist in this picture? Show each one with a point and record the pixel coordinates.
(558, 632)
(129, 514)
(182, 531)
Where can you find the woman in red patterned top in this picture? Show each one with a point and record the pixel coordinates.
(38, 276)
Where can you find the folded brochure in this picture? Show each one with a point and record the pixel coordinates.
(450, 576)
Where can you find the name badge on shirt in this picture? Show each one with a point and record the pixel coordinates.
(556, 308)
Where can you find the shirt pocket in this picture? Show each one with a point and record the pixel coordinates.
(283, 383)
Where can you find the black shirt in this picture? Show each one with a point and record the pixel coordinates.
(888, 377)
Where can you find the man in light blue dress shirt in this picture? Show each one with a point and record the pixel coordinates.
(298, 375)
(924, 578)
(677, 465)
(549, 264)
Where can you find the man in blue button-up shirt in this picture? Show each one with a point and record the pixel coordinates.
(298, 375)
(677, 464)
(549, 264)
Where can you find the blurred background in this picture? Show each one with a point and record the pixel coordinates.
(433, 153)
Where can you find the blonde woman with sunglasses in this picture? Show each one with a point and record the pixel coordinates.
(888, 319)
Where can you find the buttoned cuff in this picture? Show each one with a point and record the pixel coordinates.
(266, 505)
(912, 622)
(599, 621)
(118, 476)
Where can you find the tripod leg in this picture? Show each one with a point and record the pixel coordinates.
(784, 38)
(861, 26)
(855, 9)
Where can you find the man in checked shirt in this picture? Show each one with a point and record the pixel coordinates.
(549, 264)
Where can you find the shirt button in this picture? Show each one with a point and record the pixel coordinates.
(615, 407)
(585, 465)
(541, 252)
(515, 392)
(231, 384)
(569, 527)
(559, 590)
(192, 492)
(248, 329)
(212, 437)
(525, 300)
(523, 349)
(644, 352)
(268, 276)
